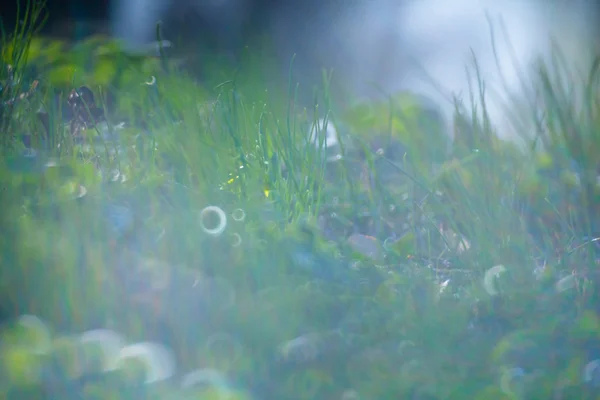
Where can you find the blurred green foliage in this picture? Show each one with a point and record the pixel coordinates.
(369, 274)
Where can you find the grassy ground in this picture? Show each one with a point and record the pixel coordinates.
(393, 264)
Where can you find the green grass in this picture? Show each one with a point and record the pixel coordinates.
(104, 232)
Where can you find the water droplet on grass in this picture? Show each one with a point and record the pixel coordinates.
(238, 215)
(444, 285)
(214, 229)
(109, 342)
(206, 377)
(116, 176)
(489, 279)
(72, 190)
(36, 331)
(566, 283)
(82, 191)
(300, 349)
(236, 239)
(388, 243)
(158, 360)
(51, 163)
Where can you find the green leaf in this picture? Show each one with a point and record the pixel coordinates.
(62, 75)
(105, 72)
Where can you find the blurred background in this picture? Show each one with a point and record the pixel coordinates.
(137, 225)
(374, 47)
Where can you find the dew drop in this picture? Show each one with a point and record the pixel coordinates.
(236, 239)
(303, 348)
(110, 343)
(159, 361)
(238, 215)
(80, 192)
(39, 333)
(444, 285)
(115, 174)
(489, 279)
(219, 228)
(566, 283)
(205, 377)
(51, 163)
(388, 243)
